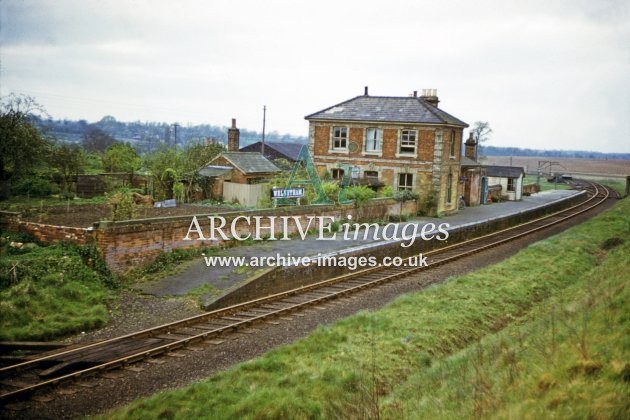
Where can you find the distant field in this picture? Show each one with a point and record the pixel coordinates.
(606, 167)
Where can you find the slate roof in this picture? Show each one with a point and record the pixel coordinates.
(405, 109)
(249, 162)
(504, 171)
(289, 149)
(466, 161)
(215, 170)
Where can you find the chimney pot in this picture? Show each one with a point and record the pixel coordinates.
(415, 93)
(430, 96)
(233, 137)
(366, 91)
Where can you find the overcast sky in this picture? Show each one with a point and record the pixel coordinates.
(549, 74)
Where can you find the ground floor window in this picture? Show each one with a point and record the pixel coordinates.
(449, 188)
(337, 174)
(371, 174)
(405, 182)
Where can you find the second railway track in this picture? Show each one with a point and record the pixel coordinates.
(23, 379)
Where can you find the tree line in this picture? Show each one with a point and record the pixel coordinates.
(148, 136)
(517, 151)
(35, 162)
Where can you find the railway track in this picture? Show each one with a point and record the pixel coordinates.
(21, 380)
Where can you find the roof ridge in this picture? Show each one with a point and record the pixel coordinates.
(332, 106)
(428, 107)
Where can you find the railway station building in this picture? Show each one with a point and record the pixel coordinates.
(406, 142)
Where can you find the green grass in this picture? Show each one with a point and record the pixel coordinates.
(49, 292)
(202, 289)
(616, 184)
(544, 185)
(568, 358)
(543, 334)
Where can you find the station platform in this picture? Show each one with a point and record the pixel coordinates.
(197, 273)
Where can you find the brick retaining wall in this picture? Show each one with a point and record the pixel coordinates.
(133, 243)
(128, 244)
(45, 233)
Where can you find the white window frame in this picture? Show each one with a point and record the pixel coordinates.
(513, 182)
(373, 141)
(406, 187)
(406, 133)
(334, 138)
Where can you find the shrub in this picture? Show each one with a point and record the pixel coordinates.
(122, 205)
(360, 194)
(387, 191)
(405, 195)
(331, 189)
(32, 186)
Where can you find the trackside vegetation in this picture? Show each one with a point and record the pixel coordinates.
(545, 333)
(48, 292)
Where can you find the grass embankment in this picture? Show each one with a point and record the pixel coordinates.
(545, 333)
(51, 291)
(544, 184)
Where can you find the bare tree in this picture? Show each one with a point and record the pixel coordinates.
(481, 131)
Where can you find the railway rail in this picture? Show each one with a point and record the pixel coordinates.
(23, 379)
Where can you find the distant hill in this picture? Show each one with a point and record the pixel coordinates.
(516, 151)
(146, 136)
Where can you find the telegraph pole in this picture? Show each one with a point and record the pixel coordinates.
(262, 147)
(175, 133)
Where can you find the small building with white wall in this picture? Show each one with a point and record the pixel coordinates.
(510, 178)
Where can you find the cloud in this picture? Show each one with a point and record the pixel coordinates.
(544, 74)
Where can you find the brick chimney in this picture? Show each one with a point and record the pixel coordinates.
(471, 148)
(430, 96)
(233, 137)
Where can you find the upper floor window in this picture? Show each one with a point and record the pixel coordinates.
(408, 141)
(340, 138)
(452, 149)
(405, 182)
(373, 140)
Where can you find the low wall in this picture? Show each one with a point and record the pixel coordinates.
(286, 278)
(133, 243)
(46, 233)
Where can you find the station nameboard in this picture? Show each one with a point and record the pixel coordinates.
(291, 192)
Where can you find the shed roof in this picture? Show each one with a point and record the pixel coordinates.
(504, 171)
(249, 162)
(466, 161)
(214, 170)
(289, 149)
(397, 109)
